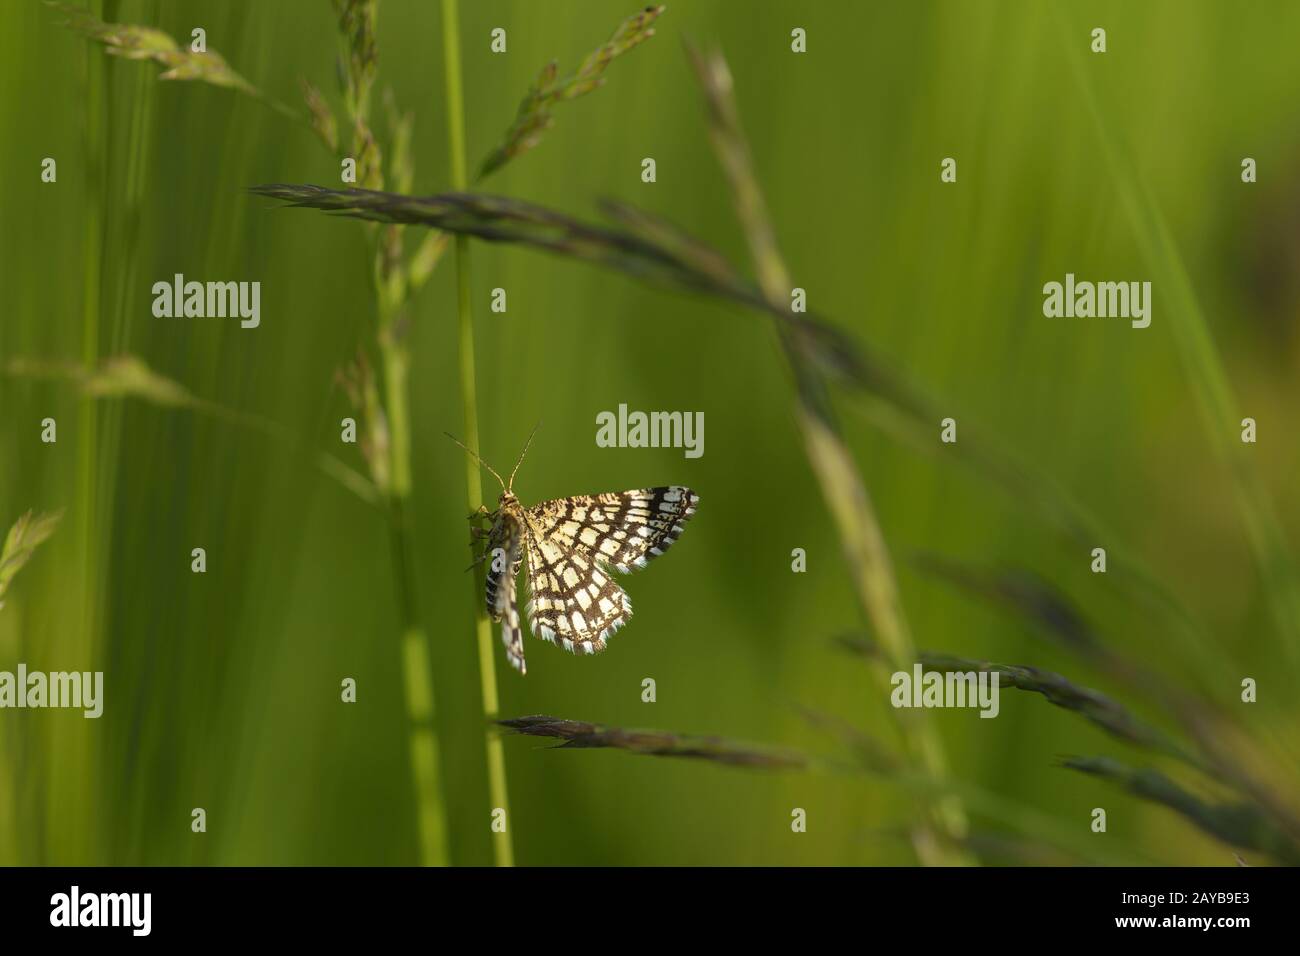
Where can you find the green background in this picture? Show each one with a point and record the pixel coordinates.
(222, 690)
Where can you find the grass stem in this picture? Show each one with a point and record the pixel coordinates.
(939, 834)
(502, 848)
(72, 747)
(416, 664)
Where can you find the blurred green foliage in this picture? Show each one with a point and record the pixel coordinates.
(222, 689)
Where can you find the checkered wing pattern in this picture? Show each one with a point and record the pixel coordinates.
(502, 590)
(572, 545)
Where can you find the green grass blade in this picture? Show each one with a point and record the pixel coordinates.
(1201, 361)
(498, 788)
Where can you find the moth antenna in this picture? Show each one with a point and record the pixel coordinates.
(475, 456)
(510, 486)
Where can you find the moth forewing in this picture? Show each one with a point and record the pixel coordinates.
(505, 544)
(572, 544)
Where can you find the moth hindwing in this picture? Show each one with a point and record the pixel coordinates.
(572, 546)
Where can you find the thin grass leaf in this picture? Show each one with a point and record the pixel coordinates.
(1196, 718)
(1048, 609)
(1242, 825)
(1221, 753)
(1022, 818)
(859, 644)
(1201, 361)
(28, 533)
(1202, 718)
(868, 752)
(908, 414)
(1092, 705)
(1023, 592)
(659, 743)
(133, 42)
(128, 376)
(673, 240)
(534, 117)
(677, 265)
(1209, 729)
(500, 219)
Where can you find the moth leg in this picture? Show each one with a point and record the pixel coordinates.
(477, 561)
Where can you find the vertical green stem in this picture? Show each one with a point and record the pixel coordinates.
(502, 848)
(416, 665)
(123, 225)
(92, 271)
(416, 670)
(68, 758)
(357, 50)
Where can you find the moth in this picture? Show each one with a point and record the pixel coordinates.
(572, 547)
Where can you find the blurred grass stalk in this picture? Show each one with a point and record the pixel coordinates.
(1243, 816)
(359, 56)
(1238, 823)
(1039, 829)
(1200, 358)
(95, 159)
(939, 837)
(416, 661)
(124, 225)
(661, 743)
(127, 376)
(1227, 751)
(502, 845)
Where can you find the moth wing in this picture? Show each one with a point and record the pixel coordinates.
(632, 528)
(502, 594)
(573, 602)
(572, 544)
